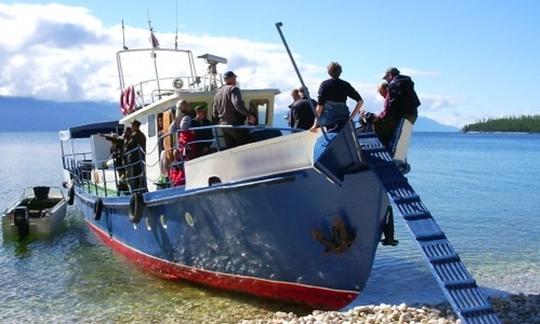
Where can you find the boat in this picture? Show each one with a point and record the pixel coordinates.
(39, 211)
(291, 215)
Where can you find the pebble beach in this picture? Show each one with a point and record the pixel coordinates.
(517, 308)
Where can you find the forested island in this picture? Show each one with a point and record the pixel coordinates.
(525, 124)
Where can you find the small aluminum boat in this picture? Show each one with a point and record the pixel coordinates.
(40, 211)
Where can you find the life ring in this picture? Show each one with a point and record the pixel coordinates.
(136, 206)
(98, 208)
(127, 100)
(71, 194)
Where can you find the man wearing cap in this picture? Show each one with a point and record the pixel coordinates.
(229, 109)
(400, 102)
(402, 99)
(202, 134)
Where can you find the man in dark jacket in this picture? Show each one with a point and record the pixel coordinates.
(400, 102)
(135, 157)
(301, 111)
(202, 134)
(229, 109)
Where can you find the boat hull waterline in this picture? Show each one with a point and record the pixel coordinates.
(252, 237)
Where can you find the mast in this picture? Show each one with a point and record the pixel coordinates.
(176, 33)
(155, 44)
(124, 36)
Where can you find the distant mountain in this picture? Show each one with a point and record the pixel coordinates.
(423, 124)
(27, 114)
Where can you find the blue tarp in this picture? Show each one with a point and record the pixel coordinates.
(85, 131)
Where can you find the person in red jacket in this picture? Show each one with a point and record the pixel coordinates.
(177, 175)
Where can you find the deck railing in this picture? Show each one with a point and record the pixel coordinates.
(129, 176)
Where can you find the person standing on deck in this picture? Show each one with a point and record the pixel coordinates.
(202, 134)
(302, 113)
(332, 109)
(295, 95)
(401, 101)
(184, 115)
(136, 158)
(229, 109)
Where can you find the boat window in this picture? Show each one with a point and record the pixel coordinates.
(159, 122)
(260, 107)
(151, 125)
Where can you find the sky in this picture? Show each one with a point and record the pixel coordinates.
(469, 59)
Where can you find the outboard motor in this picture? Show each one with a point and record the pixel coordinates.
(20, 219)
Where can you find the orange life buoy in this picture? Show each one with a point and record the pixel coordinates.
(127, 100)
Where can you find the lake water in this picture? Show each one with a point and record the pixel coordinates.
(482, 189)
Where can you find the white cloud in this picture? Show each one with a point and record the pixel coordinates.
(64, 53)
(419, 73)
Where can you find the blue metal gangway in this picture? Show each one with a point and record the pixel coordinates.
(445, 264)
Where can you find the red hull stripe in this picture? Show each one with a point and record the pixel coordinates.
(314, 296)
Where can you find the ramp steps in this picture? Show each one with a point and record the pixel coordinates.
(445, 264)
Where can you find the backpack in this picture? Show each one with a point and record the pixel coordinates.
(406, 99)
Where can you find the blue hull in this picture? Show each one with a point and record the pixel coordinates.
(262, 229)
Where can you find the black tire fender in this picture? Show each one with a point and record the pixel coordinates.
(136, 206)
(71, 194)
(98, 208)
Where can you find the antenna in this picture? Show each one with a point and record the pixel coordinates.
(176, 35)
(123, 36)
(155, 44)
(148, 20)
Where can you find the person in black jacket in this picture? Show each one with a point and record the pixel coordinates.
(332, 109)
(303, 112)
(401, 101)
(136, 146)
(202, 134)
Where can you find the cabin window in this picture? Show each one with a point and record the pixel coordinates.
(151, 125)
(159, 123)
(260, 108)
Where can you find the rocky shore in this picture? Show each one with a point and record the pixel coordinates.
(510, 309)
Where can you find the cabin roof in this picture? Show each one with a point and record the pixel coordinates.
(84, 131)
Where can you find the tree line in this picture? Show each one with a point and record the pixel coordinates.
(526, 123)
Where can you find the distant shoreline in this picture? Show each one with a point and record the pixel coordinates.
(498, 132)
(511, 124)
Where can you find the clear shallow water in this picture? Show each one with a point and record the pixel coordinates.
(483, 190)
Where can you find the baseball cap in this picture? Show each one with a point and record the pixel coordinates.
(229, 74)
(392, 71)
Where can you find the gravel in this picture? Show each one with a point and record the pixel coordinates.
(510, 309)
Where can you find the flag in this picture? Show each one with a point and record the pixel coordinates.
(153, 40)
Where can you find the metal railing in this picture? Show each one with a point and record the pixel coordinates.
(147, 91)
(130, 175)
